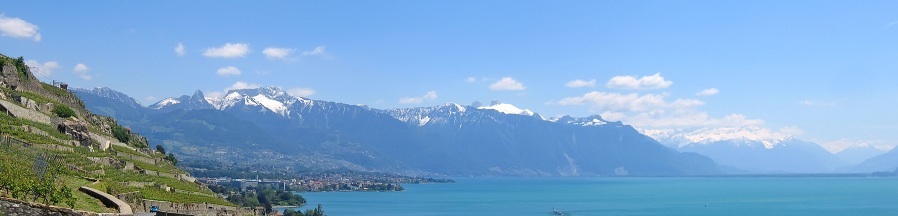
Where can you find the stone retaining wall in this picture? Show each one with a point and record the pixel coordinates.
(13, 207)
(192, 209)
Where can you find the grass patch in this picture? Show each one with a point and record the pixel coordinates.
(84, 201)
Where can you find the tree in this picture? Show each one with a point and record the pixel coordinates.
(264, 201)
(160, 149)
(171, 157)
(316, 212)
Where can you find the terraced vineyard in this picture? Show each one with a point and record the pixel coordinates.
(50, 146)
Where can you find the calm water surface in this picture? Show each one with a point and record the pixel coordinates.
(626, 196)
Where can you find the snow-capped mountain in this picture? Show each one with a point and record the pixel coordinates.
(271, 98)
(752, 149)
(749, 135)
(197, 101)
(507, 109)
(499, 139)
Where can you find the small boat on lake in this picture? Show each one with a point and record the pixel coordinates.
(557, 212)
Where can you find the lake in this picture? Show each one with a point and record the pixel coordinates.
(625, 196)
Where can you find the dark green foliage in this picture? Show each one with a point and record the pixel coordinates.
(171, 157)
(160, 149)
(263, 199)
(291, 212)
(20, 65)
(121, 133)
(318, 211)
(63, 111)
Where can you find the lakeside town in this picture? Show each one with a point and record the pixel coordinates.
(328, 182)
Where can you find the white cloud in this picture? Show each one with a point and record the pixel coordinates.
(45, 68)
(430, 95)
(235, 86)
(471, 80)
(18, 28)
(277, 52)
(180, 50)
(243, 85)
(228, 71)
(617, 102)
(301, 92)
(507, 83)
(214, 94)
(654, 110)
(581, 83)
(81, 70)
(150, 99)
(228, 50)
(708, 92)
(318, 51)
(792, 131)
(646, 82)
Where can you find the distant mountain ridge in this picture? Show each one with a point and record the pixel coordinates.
(453, 139)
(752, 149)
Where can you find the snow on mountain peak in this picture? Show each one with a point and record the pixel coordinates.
(746, 135)
(508, 109)
(273, 105)
(165, 102)
(272, 98)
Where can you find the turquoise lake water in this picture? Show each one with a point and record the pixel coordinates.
(626, 196)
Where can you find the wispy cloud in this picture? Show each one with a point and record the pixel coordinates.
(180, 50)
(45, 68)
(654, 111)
(507, 84)
(655, 81)
(228, 50)
(81, 70)
(228, 71)
(317, 51)
(893, 23)
(581, 83)
(301, 92)
(430, 95)
(18, 28)
(277, 52)
(708, 92)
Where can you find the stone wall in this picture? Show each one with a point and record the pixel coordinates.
(13, 207)
(21, 112)
(192, 209)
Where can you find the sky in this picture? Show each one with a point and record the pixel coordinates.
(823, 71)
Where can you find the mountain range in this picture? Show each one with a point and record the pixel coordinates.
(752, 149)
(267, 127)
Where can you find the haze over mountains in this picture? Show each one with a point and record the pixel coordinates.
(267, 126)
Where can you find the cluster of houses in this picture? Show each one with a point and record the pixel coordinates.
(336, 183)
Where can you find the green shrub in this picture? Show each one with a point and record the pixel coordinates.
(121, 133)
(63, 111)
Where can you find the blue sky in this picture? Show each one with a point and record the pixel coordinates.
(822, 71)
